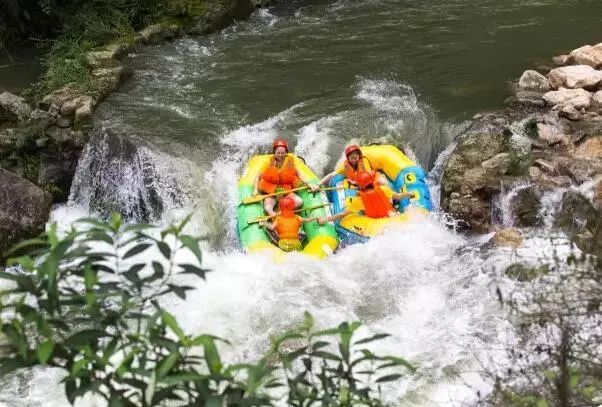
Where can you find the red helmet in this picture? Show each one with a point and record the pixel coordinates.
(280, 143)
(364, 179)
(350, 149)
(286, 205)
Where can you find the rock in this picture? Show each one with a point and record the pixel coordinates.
(499, 164)
(467, 186)
(545, 166)
(508, 237)
(591, 148)
(577, 98)
(552, 134)
(569, 112)
(13, 108)
(525, 207)
(533, 80)
(534, 173)
(574, 76)
(597, 198)
(561, 181)
(60, 135)
(41, 119)
(526, 273)
(62, 121)
(582, 221)
(527, 98)
(57, 170)
(578, 169)
(24, 209)
(157, 32)
(99, 59)
(83, 113)
(587, 55)
(68, 108)
(596, 103)
(560, 60)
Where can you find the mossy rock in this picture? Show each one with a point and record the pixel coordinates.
(524, 273)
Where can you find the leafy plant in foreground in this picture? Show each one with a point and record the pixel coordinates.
(88, 302)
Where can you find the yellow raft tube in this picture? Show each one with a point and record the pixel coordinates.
(402, 174)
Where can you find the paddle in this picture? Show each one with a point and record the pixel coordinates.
(258, 198)
(268, 217)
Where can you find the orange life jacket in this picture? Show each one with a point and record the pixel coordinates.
(288, 227)
(284, 177)
(376, 203)
(362, 165)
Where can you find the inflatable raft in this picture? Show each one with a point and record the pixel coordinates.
(402, 174)
(319, 241)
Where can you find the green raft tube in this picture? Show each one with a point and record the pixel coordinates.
(320, 240)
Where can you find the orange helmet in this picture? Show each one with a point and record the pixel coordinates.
(280, 143)
(286, 206)
(350, 149)
(364, 179)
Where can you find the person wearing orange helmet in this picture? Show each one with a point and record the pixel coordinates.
(287, 225)
(354, 163)
(280, 174)
(374, 200)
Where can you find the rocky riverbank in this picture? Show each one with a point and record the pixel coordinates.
(544, 149)
(40, 146)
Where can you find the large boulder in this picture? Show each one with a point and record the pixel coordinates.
(591, 148)
(471, 178)
(13, 108)
(533, 80)
(525, 207)
(576, 98)
(574, 76)
(587, 55)
(24, 209)
(582, 221)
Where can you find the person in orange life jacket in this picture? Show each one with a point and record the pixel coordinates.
(354, 163)
(286, 225)
(374, 200)
(281, 174)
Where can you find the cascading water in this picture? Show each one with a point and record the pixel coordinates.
(176, 137)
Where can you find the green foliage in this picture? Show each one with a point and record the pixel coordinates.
(88, 302)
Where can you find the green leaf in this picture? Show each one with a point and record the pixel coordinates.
(138, 227)
(45, 351)
(150, 390)
(167, 364)
(139, 248)
(541, 403)
(164, 249)
(172, 323)
(388, 378)
(210, 351)
(372, 338)
(192, 244)
(192, 269)
(181, 377)
(85, 337)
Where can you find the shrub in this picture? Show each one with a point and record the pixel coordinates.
(88, 302)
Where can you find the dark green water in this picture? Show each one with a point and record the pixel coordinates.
(396, 70)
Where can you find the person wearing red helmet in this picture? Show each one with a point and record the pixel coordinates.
(287, 225)
(354, 163)
(374, 200)
(280, 174)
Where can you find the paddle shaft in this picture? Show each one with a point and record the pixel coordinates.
(258, 198)
(268, 217)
